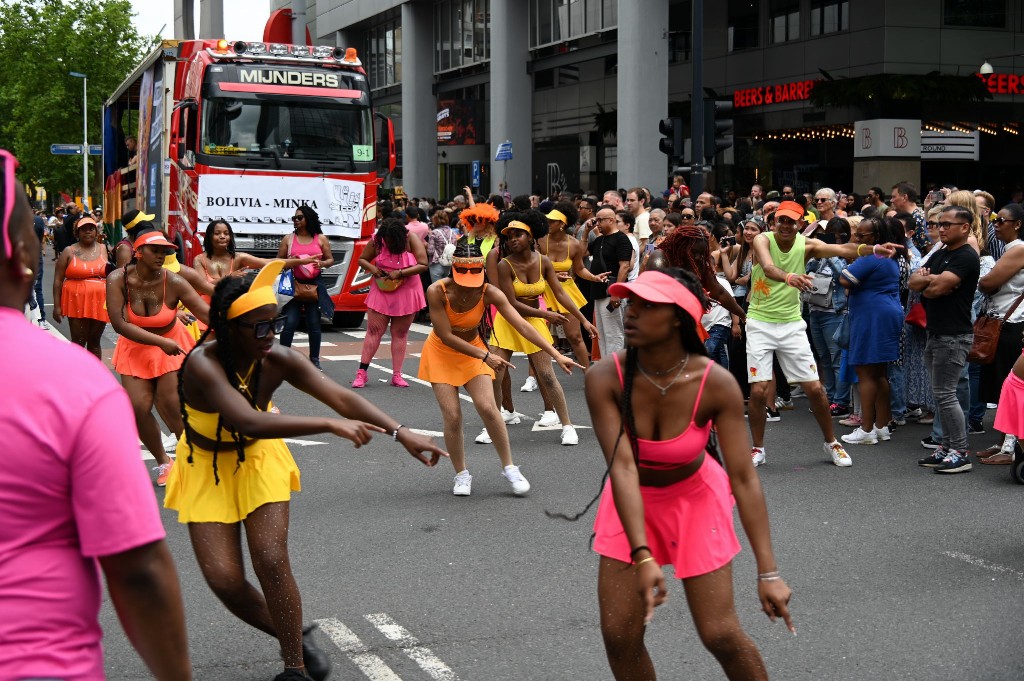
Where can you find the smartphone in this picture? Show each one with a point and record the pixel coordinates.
(610, 307)
(936, 197)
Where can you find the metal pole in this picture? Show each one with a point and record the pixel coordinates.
(697, 99)
(298, 22)
(85, 144)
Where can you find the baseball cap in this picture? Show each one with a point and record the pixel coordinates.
(134, 217)
(791, 210)
(658, 287)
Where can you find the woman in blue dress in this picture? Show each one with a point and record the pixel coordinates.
(876, 319)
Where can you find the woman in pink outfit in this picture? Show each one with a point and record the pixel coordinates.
(395, 257)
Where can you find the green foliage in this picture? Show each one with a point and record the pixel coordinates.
(41, 41)
(934, 88)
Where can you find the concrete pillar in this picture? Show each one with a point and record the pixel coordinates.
(419, 104)
(642, 92)
(184, 20)
(211, 19)
(884, 173)
(512, 94)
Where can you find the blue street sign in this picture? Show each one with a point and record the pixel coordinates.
(476, 174)
(66, 149)
(504, 151)
(95, 149)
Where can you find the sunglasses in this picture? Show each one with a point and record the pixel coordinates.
(1000, 220)
(296, 218)
(263, 329)
(947, 225)
(476, 269)
(687, 216)
(821, 199)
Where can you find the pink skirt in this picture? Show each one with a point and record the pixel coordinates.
(689, 524)
(1010, 415)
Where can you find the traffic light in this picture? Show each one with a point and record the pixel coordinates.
(717, 125)
(672, 142)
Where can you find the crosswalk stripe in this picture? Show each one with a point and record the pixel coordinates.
(408, 643)
(372, 666)
(421, 328)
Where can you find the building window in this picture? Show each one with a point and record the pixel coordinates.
(744, 24)
(680, 31)
(384, 51)
(829, 16)
(975, 13)
(462, 32)
(555, 21)
(784, 22)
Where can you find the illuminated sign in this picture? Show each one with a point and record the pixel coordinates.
(796, 91)
(1003, 83)
(305, 78)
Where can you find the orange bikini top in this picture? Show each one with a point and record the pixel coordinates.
(161, 319)
(463, 322)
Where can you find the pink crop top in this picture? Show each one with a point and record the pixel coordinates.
(681, 450)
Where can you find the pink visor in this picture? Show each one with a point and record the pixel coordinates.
(658, 287)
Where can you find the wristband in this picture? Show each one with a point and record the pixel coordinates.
(638, 549)
(787, 279)
(860, 246)
(874, 251)
(486, 355)
(394, 433)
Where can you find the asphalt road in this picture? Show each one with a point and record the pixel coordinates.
(897, 573)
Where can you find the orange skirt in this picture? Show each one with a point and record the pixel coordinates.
(84, 299)
(440, 363)
(149, 361)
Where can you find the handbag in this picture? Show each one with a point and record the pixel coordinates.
(986, 335)
(387, 285)
(307, 292)
(916, 316)
(820, 293)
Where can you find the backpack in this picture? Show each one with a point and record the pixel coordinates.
(445, 258)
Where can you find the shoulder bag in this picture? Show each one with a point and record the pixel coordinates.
(822, 287)
(986, 335)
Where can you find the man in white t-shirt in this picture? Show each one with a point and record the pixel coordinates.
(636, 203)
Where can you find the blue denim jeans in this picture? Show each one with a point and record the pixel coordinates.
(438, 271)
(823, 326)
(897, 390)
(717, 344)
(977, 406)
(945, 358)
(293, 312)
(39, 292)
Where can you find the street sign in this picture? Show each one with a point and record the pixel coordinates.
(504, 151)
(95, 149)
(66, 149)
(476, 174)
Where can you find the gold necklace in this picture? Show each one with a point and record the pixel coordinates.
(243, 383)
(664, 389)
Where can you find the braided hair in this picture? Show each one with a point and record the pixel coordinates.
(690, 341)
(392, 234)
(226, 292)
(687, 247)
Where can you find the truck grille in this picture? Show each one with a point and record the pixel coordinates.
(266, 245)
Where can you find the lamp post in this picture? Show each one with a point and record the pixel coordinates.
(85, 139)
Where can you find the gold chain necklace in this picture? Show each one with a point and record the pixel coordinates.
(664, 389)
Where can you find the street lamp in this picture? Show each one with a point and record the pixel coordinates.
(986, 68)
(85, 139)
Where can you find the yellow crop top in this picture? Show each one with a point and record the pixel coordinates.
(529, 291)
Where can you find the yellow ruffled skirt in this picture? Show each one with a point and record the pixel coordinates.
(505, 336)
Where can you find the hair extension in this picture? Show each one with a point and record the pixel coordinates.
(481, 212)
(687, 248)
(392, 234)
(225, 293)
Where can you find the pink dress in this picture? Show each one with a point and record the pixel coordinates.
(407, 298)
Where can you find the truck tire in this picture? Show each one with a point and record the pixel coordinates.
(348, 320)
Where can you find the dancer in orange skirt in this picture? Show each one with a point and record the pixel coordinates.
(454, 355)
(78, 287)
(143, 298)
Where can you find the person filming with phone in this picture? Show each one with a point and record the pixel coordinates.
(612, 252)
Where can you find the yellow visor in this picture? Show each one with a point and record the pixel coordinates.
(516, 224)
(260, 293)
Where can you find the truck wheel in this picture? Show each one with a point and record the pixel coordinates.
(348, 320)
(1017, 469)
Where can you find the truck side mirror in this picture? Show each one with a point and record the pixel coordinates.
(385, 137)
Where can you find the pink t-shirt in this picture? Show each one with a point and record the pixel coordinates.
(420, 229)
(72, 488)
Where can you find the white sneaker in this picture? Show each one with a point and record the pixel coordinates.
(861, 437)
(463, 484)
(520, 485)
(44, 325)
(547, 419)
(483, 438)
(838, 454)
(530, 385)
(511, 417)
(883, 434)
(569, 436)
(757, 456)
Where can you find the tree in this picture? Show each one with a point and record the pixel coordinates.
(41, 41)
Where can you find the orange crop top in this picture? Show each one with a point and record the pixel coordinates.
(529, 291)
(165, 317)
(463, 322)
(86, 269)
(681, 450)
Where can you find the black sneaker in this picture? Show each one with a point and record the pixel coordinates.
(929, 443)
(318, 665)
(292, 675)
(933, 460)
(773, 416)
(839, 411)
(976, 428)
(955, 462)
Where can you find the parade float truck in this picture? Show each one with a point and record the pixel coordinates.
(246, 132)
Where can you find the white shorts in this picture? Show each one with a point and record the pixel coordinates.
(787, 341)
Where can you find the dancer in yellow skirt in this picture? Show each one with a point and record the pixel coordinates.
(235, 470)
(523, 276)
(455, 356)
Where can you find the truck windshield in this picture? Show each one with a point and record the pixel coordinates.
(267, 128)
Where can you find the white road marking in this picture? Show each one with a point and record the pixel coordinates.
(343, 637)
(427, 433)
(421, 328)
(305, 344)
(303, 443)
(421, 655)
(407, 377)
(355, 334)
(984, 564)
(537, 427)
(343, 358)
